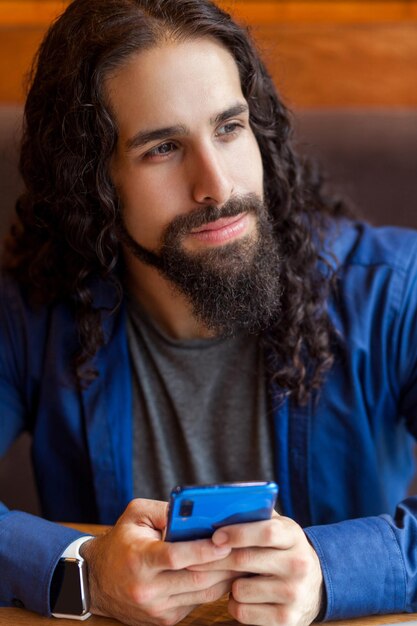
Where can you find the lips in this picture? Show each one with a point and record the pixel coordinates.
(218, 224)
(222, 230)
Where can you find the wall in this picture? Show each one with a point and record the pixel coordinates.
(321, 54)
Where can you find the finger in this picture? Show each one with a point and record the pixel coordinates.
(164, 555)
(239, 560)
(259, 614)
(156, 607)
(148, 513)
(252, 560)
(186, 582)
(175, 589)
(279, 532)
(211, 594)
(263, 590)
(267, 561)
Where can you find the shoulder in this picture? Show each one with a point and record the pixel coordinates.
(12, 298)
(23, 319)
(375, 302)
(15, 303)
(360, 244)
(23, 327)
(374, 310)
(28, 327)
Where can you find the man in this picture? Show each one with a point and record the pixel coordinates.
(180, 303)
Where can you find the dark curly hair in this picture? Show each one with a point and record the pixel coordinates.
(65, 235)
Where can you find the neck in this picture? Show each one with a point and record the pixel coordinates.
(158, 297)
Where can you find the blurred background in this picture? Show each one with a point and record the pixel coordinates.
(348, 70)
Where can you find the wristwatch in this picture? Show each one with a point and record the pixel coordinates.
(69, 588)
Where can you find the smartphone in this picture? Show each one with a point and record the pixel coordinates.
(196, 511)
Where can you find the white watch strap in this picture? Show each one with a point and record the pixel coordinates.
(73, 550)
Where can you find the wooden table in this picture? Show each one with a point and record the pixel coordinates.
(207, 615)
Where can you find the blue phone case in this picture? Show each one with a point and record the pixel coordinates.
(196, 511)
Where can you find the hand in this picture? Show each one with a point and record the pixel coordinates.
(139, 579)
(283, 580)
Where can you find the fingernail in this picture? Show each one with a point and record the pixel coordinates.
(220, 537)
(222, 550)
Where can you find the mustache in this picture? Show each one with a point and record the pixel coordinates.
(183, 224)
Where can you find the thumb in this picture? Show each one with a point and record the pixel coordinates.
(148, 513)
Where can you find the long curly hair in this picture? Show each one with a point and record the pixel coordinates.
(65, 234)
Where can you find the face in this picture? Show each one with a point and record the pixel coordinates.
(185, 143)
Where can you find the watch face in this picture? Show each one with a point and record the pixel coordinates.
(68, 588)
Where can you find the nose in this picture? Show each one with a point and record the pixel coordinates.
(211, 183)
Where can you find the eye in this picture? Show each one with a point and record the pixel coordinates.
(164, 149)
(229, 129)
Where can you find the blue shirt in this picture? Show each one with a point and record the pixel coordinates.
(343, 462)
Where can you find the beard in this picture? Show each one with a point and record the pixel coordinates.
(231, 287)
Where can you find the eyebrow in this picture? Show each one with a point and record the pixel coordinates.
(232, 111)
(144, 137)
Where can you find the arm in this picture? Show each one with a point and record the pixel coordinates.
(368, 565)
(30, 548)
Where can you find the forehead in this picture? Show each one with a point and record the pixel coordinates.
(173, 83)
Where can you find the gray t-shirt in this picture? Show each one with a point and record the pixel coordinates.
(199, 409)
